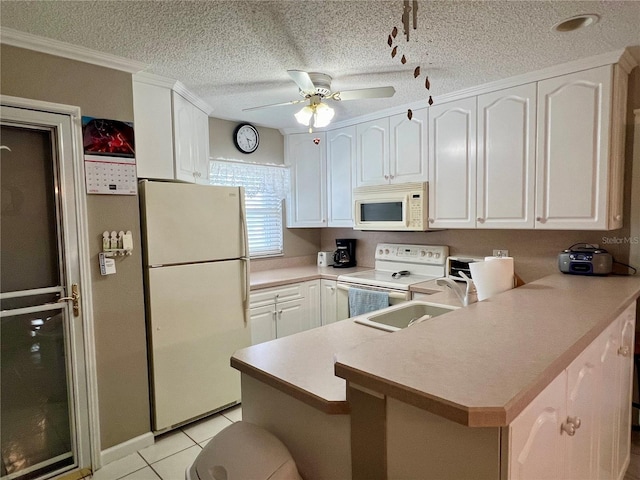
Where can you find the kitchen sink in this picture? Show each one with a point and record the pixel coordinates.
(403, 315)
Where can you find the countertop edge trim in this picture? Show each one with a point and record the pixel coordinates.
(325, 406)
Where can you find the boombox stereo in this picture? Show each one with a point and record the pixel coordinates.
(585, 260)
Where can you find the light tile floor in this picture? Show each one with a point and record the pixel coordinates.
(172, 453)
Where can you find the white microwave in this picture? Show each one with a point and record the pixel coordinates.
(397, 207)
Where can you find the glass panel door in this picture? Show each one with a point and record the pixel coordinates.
(38, 435)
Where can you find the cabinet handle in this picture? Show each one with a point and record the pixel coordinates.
(568, 428)
(480, 219)
(624, 351)
(540, 219)
(618, 217)
(571, 425)
(431, 220)
(386, 177)
(391, 177)
(575, 420)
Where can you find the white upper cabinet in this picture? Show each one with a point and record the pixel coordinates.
(372, 166)
(392, 150)
(506, 158)
(408, 150)
(452, 164)
(341, 159)
(153, 130)
(191, 134)
(306, 204)
(574, 156)
(172, 133)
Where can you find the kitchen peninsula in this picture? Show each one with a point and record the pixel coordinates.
(480, 392)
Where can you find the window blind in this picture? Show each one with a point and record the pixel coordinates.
(265, 187)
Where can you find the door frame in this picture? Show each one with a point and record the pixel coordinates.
(84, 255)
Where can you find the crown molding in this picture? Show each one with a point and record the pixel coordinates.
(153, 79)
(180, 88)
(49, 46)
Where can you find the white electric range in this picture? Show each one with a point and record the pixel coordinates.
(397, 267)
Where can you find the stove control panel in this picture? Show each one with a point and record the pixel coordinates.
(423, 254)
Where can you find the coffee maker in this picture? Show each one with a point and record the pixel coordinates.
(345, 254)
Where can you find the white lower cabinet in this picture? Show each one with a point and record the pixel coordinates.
(579, 426)
(281, 311)
(328, 301)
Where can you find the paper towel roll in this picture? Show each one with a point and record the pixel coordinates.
(492, 276)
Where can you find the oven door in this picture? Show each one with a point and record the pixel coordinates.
(342, 297)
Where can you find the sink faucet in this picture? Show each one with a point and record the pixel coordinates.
(469, 296)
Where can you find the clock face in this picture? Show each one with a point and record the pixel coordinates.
(246, 138)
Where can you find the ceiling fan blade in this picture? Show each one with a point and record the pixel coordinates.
(292, 102)
(303, 80)
(375, 92)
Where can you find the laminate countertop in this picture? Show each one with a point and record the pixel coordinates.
(286, 276)
(479, 366)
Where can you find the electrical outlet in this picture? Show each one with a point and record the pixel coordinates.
(501, 253)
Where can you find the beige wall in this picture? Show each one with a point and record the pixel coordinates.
(300, 244)
(118, 299)
(270, 150)
(535, 251)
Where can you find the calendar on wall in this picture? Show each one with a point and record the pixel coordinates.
(109, 156)
(110, 175)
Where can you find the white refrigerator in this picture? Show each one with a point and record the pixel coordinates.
(196, 264)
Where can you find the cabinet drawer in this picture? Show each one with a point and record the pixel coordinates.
(277, 294)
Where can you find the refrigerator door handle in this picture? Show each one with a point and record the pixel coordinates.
(246, 290)
(243, 219)
(245, 257)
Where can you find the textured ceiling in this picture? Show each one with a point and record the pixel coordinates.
(235, 54)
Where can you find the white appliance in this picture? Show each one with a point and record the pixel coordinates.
(397, 267)
(397, 207)
(197, 296)
(325, 259)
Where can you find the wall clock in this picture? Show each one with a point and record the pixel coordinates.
(246, 138)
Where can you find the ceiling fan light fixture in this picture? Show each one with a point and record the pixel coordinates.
(323, 115)
(304, 115)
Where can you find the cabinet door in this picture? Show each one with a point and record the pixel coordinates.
(341, 162)
(306, 205)
(201, 146)
(536, 445)
(625, 368)
(452, 164)
(312, 297)
(584, 389)
(372, 166)
(291, 317)
(408, 150)
(573, 145)
(608, 418)
(154, 131)
(506, 158)
(328, 300)
(263, 324)
(183, 128)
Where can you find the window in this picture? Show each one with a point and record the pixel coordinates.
(265, 188)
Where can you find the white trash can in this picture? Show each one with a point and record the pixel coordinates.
(243, 451)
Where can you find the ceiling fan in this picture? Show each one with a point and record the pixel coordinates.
(315, 87)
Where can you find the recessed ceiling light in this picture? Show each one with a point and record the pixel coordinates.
(574, 23)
